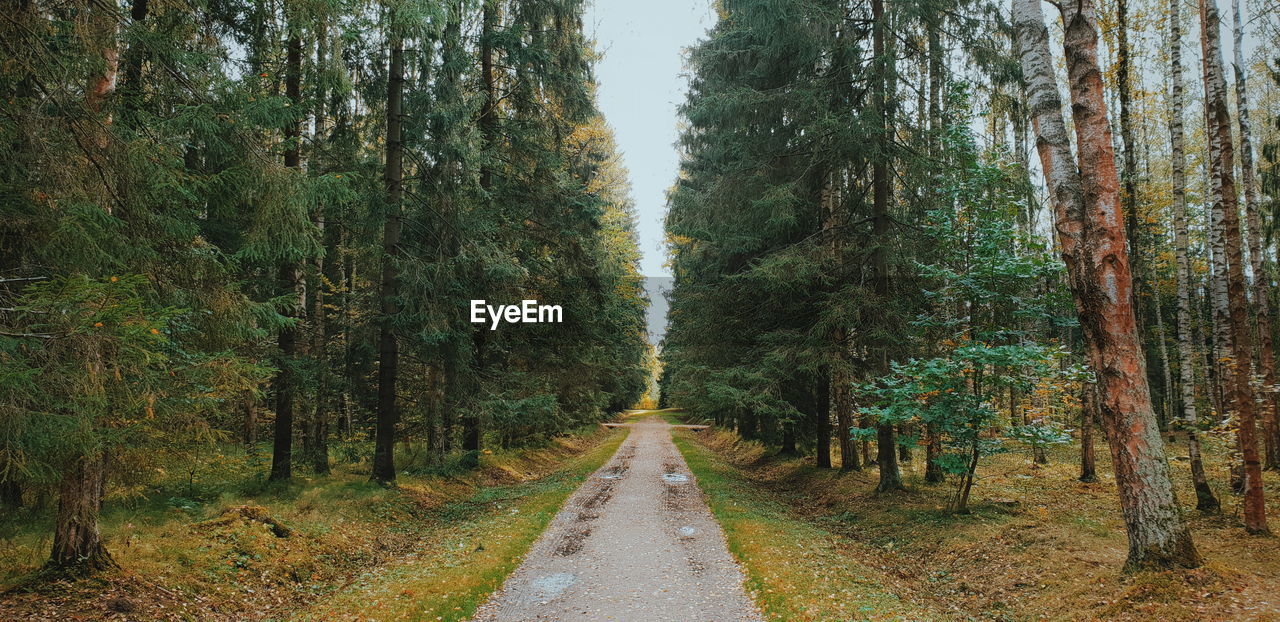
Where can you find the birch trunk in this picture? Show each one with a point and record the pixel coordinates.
(1205, 499)
(1091, 230)
(1222, 180)
(1261, 285)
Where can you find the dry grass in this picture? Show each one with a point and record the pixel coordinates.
(1038, 545)
(344, 531)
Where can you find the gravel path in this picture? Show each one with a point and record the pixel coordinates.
(635, 542)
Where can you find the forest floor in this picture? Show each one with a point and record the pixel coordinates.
(431, 549)
(636, 542)
(1038, 545)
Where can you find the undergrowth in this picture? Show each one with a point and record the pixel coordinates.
(1038, 544)
(187, 548)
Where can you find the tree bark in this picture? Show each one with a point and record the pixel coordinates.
(1205, 499)
(1088, 412)
(933, 472)
(1261, 284)
(472, 433)
(1222, 183)
(821, 404)
(1091, 233)
(290, 275)
(840, 378)
(384, 470)
(886, 454)
(1129, 173)
(77, 541)
(323, 270)
(131, 87)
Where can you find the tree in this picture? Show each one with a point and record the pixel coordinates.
(290, 272)
(1231, 301)
(384, 470)
(1090, 229)
(1205, 499)
(887, 453)
(1266, 358)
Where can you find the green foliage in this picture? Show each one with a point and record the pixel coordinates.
(175, 251)
(100, 371)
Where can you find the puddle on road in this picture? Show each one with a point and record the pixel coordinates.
(687, 531)
(675, 478)
(552, 585)
(610, 477)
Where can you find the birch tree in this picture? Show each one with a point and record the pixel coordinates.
(1205, 499)
(1261, 287)
(1091, 230)
(1234, 305)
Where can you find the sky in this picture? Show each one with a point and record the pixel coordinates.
(641, 84)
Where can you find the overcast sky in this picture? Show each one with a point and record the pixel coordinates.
(641, 83)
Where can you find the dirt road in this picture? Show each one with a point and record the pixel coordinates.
(636, 542)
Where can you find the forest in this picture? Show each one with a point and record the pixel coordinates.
(972, 316)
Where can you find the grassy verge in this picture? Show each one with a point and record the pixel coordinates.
(795, 569)
(181, 557)
(1038, 545)
(482, 540)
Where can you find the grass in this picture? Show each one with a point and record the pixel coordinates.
(354, 543)
(796, 570)
(482, 541)
(1038, 544)
(670, 415)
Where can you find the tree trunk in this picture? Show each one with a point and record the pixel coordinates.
(747, 426)
(1129, 174)
(472, 434)
(290, 276)
(821, 405)
(384, 469)
(324, 263)
(77, 541)
(1162, 345)
(789, 441)
(933, 472)
(844, 423)
(867, 458)
(1205, 499)
(840, 379)
(1261, 285)
(1091, 232)
(886, 454)
(1222, 180)
(131, 88)
(11, 492)
(250, 423)
(1088, 412)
